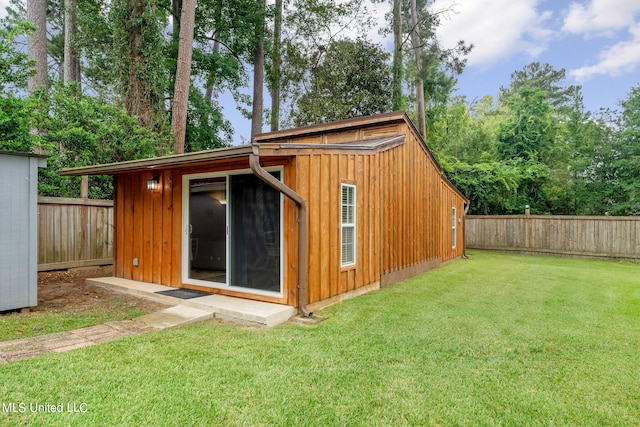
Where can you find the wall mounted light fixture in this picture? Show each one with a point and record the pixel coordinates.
(153, 183)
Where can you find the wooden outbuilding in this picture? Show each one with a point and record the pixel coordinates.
(302, 217)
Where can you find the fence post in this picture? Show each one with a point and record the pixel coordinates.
(84, 187)
(527, 226)
(84, 210)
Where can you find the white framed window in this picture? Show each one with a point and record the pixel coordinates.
(453, 227)
(348, 224)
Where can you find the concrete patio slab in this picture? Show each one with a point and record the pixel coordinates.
(175, 316)
(238, 310)
(246, 311)
(132, 287)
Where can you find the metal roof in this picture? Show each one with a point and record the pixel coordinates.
(160, 162)
(363, 144)
(370, 144)
(337, 125)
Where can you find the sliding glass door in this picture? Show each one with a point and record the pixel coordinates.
(207, 245)
(255, 234)
(233, 232)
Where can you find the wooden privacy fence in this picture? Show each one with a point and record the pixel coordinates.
(597, 237)
(74, 233)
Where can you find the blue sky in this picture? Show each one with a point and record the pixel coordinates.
(597, 42)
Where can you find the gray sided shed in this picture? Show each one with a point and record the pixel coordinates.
(19, 229)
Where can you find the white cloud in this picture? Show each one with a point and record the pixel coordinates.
(622, 57)
(607, 18)
(3, 8)
(497, 28)
(600, 17)
(377, 12)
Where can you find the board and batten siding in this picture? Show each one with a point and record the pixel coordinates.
(145, 229)
(149, 227)
(319, 180)
(401, 203)
(449, 200)
(411, 209)
(403, 209)
(318, 175)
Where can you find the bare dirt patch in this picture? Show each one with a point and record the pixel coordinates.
(67, 291)
(66, 302)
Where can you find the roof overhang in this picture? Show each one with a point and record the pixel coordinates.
(363, 146)
(376, 119)
(366, 146)
(160, 162)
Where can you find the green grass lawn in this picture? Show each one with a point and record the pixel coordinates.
(17, 325)
(494, 340)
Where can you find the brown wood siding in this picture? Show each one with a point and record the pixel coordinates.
(399, 215)
(450, 199)
(403, 213)
(290, 224)
(149, 228)
(144, 229)
(319, 177)
(411, 205)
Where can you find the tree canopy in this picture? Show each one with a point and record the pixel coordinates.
(114, 69)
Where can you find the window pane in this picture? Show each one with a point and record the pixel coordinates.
(208, 229)
(453, 227)
(348, 245)
(347, 214)
(347, 195)
(348, 231)
(255, 233)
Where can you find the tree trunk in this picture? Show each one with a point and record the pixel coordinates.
(176, 11)
(397, 55)
(135, 41)
(258, 72)
(208, 94)
(71, 66)
(183, 74)
(275, 84)
(37, 44)
(216, 49)
(37, 51)
(417, 50)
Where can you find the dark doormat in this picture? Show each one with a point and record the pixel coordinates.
(183, 293)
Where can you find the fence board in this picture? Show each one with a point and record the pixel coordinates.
(74, 233)
(597, 237)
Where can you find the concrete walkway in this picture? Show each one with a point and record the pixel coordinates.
(26, 348)
(180, 312)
